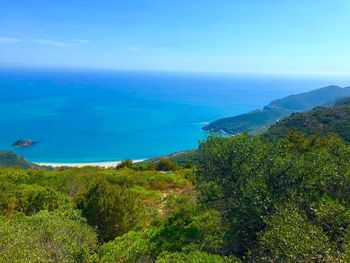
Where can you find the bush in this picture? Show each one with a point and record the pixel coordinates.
(46, 237)
(289, 237)
(30, 199)
(166, 164)
(125, 164)
(190, 225)
(129, 248)
(113, 210)
(194, 257)
(246, 178)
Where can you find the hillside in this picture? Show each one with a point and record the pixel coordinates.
(252, 122)
(324, 120)
(309, 100)
(258, 121)
(11, 159)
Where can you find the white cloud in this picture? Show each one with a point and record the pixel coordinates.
(9, 40)
(50, 42)
(56, 43)
(44, 41)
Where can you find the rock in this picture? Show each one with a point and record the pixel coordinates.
(24, 143)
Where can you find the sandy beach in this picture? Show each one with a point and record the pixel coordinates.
(110, 164)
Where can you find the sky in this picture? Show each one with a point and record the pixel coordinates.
(269, 36)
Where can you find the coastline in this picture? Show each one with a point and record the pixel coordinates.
(109, 164)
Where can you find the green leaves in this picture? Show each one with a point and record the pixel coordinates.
(247, 179)
(46, 237)
(190, 225)
(113, 210)
(194, 257)
(289, 237)
(129, 248)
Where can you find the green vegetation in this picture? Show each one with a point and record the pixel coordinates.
(323, 120)
(243, 199)
(69, 215)
(258, 121)
(285, 201)
(46, 236)
(253, 122)
(10, 159)
(308, 100)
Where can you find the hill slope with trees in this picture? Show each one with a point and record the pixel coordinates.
(258, 121)
(323, 120)
(11, 159)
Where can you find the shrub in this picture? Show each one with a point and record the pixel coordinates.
(113, 210)
(132, 247)
(194, 257)
(166, 164)
(289, 237)
(46, 237)
(125, 164)
(190, 225)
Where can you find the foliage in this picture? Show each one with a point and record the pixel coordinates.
(129, 248)
(258, 121)
(333, 217)
(323, 120)
(289, 237)
(245, 200)
(112, 209)
(194, 257)
(166, 164)
(231, 178)
(252, 122)
(125, 164)
(46, 237)
(190, 225)
(11, 159)
(247, 178)
(308, 100)
(30, 199)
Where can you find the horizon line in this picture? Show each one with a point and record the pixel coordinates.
(224, 72)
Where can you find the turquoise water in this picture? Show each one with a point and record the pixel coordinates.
(83, 116)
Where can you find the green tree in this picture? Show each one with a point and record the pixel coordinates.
(246, 178)
(231, 177)
(113, 210)
(166, 164)
(125, 164)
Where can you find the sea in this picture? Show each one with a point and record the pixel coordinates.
(100, 115)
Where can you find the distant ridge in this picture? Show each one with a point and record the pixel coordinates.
(324, 120)
(308, 100)
(258, 121)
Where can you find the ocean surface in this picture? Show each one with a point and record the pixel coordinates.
(85, 116)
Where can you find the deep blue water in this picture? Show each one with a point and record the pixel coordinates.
(81, 116)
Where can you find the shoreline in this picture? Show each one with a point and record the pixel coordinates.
(109, 164)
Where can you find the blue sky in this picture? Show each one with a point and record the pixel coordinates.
(285, 36)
